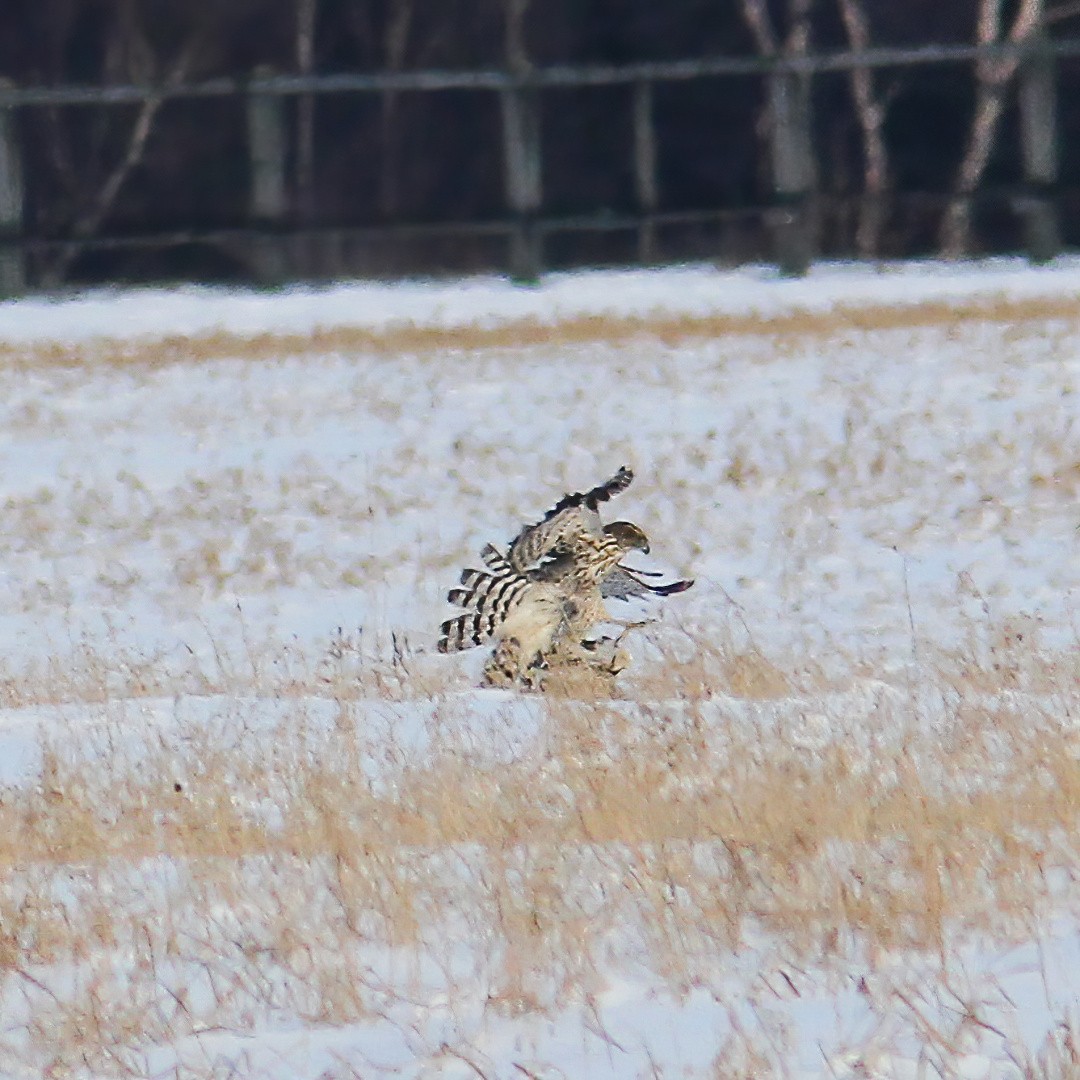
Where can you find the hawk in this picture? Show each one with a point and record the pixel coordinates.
(540, 601)
(569, 526)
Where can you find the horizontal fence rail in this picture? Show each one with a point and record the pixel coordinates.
(541, 77)
(504, 227)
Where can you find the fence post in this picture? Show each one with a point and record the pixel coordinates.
(521, 148)
(793, 170)
(1038, 134)
(268, 205)
(12, 266)
(645, 181)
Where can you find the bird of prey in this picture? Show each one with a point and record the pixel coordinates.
(540, 601)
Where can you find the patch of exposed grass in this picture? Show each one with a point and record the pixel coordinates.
(240, 883)
(841, 319)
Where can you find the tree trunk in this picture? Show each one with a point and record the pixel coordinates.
(1039, 135)
(871, 114)
(395, 44)
(646, 184)
(12, 268)
(790, 131)
(993, 80)
(521, 148)
(306, 11)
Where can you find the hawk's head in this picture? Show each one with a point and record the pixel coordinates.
(628, 535)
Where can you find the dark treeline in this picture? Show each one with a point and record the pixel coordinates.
(894, 151)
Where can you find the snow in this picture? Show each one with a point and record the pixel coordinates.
(846, 501)
(692, 291)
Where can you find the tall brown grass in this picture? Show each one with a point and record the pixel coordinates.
(200, 875)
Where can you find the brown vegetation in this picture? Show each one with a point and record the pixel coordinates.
(408, 338)
(200, 847)
(678, 822)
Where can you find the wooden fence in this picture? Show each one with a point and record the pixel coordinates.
(525, 225)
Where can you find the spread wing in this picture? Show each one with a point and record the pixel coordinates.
(623, 584)
(619, 583)
(573, 516)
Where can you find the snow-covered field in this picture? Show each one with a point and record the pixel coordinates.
(252, 824)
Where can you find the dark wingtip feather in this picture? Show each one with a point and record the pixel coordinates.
(619, 482)
(671, 589)
(592, 498)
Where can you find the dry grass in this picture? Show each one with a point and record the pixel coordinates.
(520, 861)
(214, 843)
(409, 338)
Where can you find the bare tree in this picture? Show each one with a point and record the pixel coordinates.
(994, 76)
(306, 14)
(395, 39)
(392, 35)
(787, 121)
(870, 109)
(521, 146)
(515, 51)
(130, 57)
(388, 32)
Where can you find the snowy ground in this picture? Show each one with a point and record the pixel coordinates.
(201, 543)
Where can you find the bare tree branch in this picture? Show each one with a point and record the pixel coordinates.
(756, 14)
(797, 42)
(89, 222)
(993, 79)
(870, 111)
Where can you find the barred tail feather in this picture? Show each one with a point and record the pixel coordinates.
(484, 591)
(469, 578)
(469, 630)
(474, 584)
(489, 598)
(461, 633)
(495, 560)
